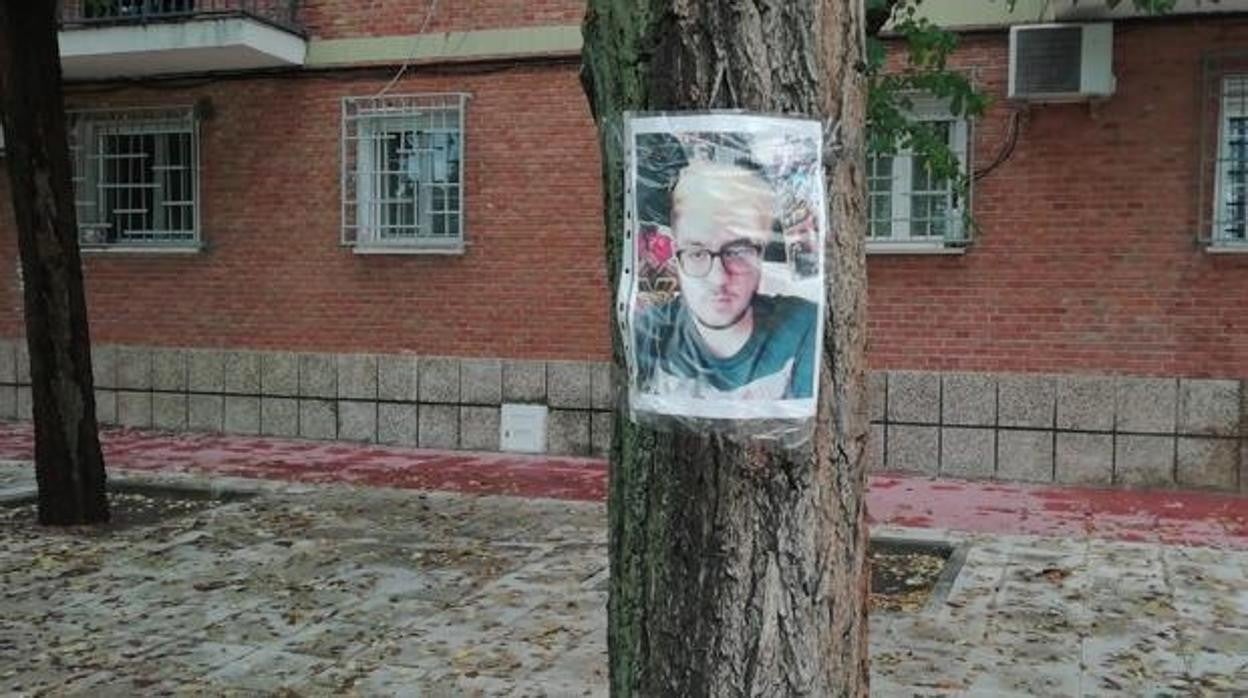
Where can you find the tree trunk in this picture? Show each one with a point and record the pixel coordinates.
(69, 466)
(739, 570)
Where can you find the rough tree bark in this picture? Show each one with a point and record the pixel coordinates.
(740, 570)
(69, 466)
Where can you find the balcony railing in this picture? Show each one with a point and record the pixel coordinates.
(81, 14)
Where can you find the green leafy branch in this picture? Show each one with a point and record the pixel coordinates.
(926, 73)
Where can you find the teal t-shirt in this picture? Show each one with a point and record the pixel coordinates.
(776, 363)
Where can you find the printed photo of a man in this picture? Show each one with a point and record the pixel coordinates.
(723, 331)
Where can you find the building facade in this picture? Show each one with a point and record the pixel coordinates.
(385, 225)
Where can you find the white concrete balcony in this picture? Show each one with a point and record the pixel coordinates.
(102, 39)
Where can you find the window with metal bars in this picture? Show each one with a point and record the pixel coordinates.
(136, 177)
(402, 173)
(907, 203)
(126, 9)
(1230, 216)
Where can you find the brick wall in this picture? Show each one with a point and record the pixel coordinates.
(531, 283)
(340, 19)
(1086, 259)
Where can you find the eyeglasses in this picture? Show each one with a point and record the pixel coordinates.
(737, 258)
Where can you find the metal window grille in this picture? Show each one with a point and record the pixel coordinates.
(136, 176)
(402, 171)
(115, 9)
(85, 13)
(907, 203)
(1230, 217)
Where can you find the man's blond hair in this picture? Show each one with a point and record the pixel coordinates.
(714, 185)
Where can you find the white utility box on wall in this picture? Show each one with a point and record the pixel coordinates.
(522, 428)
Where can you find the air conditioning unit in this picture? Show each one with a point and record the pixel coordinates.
(1061, 62)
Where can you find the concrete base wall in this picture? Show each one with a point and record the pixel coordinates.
(431, 402)
(1070, 429)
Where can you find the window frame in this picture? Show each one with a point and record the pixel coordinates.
(1232, 103)
(925, 109)
(85, 129)
(366, 122)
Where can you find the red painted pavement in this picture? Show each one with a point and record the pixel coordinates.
(1190, 518)
(331, 461)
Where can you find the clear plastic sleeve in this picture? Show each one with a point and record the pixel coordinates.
(722, 281)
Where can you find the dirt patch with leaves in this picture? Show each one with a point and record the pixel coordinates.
(904, 576)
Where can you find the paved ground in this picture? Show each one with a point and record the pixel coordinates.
(320, 589)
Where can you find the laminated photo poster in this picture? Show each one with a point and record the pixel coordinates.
(722, 286)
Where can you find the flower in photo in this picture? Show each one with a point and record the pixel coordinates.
(657, 247)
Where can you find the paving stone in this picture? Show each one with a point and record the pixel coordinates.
(318, 376)
(242, 415)
(206, 371)
(1208, 463)
(169, 411)
(1147, 405)
(397, 424)
(397, 378)
(912, 449)
(242, 372)
(8, 361)
(601, 386)
(439, 380)
(1144, 461)
(134, 368)
(568, 384)
(875, 448)
(478, 428)
(268, 670)
(23, 362)
(106, 406)
(134, 409)
(1025, 455)
(877, 387)
(279, 416)
(169, 370)
(206, 413)
(967, 452)
(1026, 400)
(25, 404)
(601, 427)
(524, 381)
(1209, 407)
(357, 376)
(357, 421)
(439, 426)
(279, 374)
(1243, 410)
(389, 680)
(8, 402)
(481, 381)
(104, 366)
(914, 396)
(1086, 403)
(318, 419)
(1243, 466)
(1085, 459)
(567, 433)
(969, 399)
